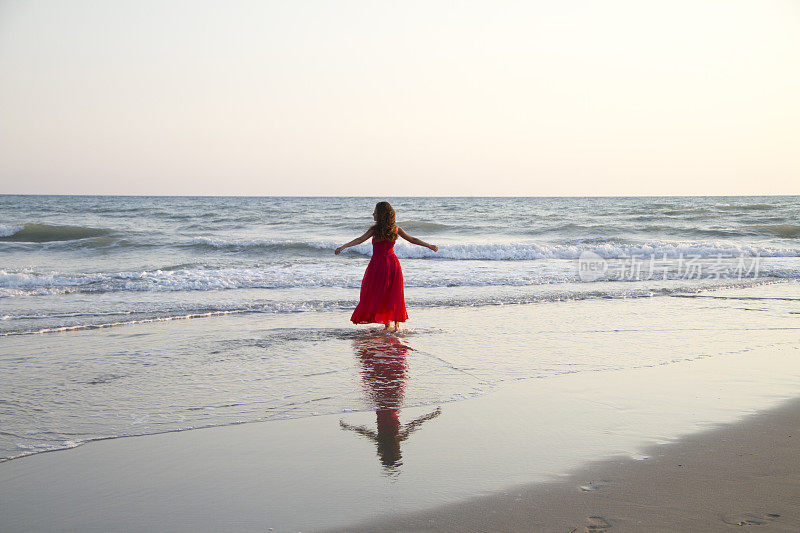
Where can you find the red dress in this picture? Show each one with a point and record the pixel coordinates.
(382, 299)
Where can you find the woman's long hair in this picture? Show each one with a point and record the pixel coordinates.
(384, 228)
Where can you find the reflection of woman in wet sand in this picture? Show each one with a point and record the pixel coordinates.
(383, 360)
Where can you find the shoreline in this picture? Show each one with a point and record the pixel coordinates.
(740, 474)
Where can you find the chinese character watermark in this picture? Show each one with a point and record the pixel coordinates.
(593, 267)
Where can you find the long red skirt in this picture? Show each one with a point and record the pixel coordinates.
(382, 298)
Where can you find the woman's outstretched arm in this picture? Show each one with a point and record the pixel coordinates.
(354, 242)
(414, 240)
(412, 426)
(361, 430)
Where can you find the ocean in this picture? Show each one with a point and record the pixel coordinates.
(254, 306)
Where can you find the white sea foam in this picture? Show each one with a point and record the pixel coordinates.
(7, 231)
(527, 251)
(100, 319)
(348, 274)
(39, 316)
(102, 325)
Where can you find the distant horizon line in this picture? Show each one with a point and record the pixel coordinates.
(409, 196)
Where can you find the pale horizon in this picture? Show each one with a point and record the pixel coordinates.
(379, 99)
(399, 196)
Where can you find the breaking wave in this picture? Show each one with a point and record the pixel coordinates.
(18, 324)
(745, 207)
(520, 251)
(784, 231)
(49, 233)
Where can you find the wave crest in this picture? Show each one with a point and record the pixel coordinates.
(49, 233)
(606, 250)
(519, 251)
(785, 231)
(746, 207)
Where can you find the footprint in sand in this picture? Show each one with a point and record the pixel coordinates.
(597, 524)
(750, 519)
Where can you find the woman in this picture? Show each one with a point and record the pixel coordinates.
(382, 299)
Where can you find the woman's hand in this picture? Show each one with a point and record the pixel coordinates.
(434, 247)
(338, 250)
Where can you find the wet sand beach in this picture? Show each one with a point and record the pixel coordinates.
(461, 472)
(442, 434)
(528, 417)
(742, 475)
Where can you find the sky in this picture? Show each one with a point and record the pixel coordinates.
(411, 98)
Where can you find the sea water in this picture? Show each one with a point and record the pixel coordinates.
(131, 315)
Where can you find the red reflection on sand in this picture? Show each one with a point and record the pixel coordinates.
(383, 371)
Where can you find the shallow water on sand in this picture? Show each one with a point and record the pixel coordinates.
(471, 401)
(64, 389)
